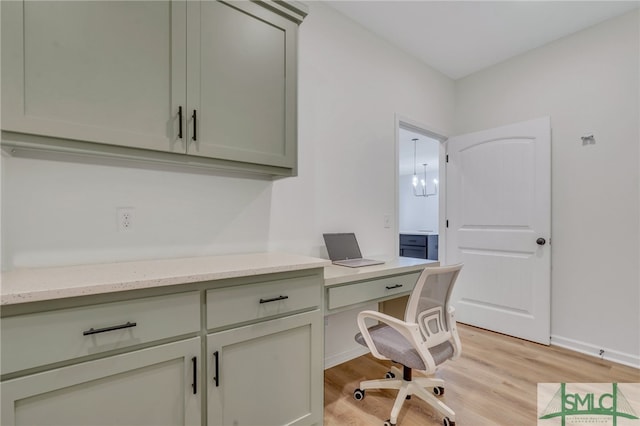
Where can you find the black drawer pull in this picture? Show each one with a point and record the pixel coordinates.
(216, 378)
(393, 286)
(179, 122)
(112, 328)
(194, 384)
(274, 299)
(195, 119)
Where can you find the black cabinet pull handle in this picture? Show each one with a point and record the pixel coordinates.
(393, 286)
(216, 378)
(195, 118)
(179, 122)
(112, 328)
(194, 384)
(274, 299)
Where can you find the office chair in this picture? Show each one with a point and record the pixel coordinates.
(425, 339)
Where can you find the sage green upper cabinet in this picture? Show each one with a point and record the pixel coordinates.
(110, 72)
(241, 81)
(213, 80)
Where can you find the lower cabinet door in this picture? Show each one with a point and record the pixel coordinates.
(267, 374)
(153, 386)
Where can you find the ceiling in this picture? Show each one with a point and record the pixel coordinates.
(459, 38)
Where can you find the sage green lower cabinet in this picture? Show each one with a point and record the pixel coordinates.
(152, 386)
(267, 374)
(246, 351)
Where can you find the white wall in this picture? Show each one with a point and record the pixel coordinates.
(351, 83)
(587, 83)
(59, 213)
(417, 213)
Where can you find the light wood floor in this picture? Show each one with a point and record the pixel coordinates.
(493, 383)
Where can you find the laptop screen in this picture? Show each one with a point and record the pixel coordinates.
(342, 246)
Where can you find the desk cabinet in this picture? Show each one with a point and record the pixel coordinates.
(253, 344)
(374, 289)
(267, 374)
(153, 385)
(352, 290)
(78, 332)
(149, 386)
(208, 79)
(268, 354)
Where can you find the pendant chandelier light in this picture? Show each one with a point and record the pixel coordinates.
(420, 184)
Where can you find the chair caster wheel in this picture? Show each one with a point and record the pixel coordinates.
(389, 375)
(438, 390)
(447, 422)
(388, 423)
(358, 394)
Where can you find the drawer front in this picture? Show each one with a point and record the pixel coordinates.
(413, 240)
(231, 305)
(53, 336)
(370, 290)
(413, 251)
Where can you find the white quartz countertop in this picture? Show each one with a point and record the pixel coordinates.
(334, 274)
(38, 284)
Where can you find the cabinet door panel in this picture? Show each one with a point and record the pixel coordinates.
(146, 387)
(98, 71)
(241, 80)
(268, 374)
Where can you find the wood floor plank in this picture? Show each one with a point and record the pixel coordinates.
(493, 383)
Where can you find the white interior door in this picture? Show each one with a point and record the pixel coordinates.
(499, 214)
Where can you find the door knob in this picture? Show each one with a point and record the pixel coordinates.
(541, 241)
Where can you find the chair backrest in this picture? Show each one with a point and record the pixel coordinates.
(428, 304)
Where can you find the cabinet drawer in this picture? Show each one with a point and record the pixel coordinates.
(413, 240)
(370, 290)
(47, 337)
(231, 305)
(413, 251)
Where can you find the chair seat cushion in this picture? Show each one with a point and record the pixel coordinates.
(394, 346)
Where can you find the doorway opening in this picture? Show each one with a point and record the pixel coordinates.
(419, 190)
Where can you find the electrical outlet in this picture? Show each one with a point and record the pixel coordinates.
(387, 221)
(125, 218)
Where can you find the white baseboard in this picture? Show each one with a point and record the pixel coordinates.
(333, 360)
(587, 348)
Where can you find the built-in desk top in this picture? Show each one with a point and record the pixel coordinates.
(39, 284)
(334, 274)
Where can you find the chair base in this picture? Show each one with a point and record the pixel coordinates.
(406, 387)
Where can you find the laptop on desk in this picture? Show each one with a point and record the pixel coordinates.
(343, 250)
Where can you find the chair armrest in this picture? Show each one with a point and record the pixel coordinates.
(410, 331)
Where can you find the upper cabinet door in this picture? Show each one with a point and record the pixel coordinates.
(97, 71)
(241, 83)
